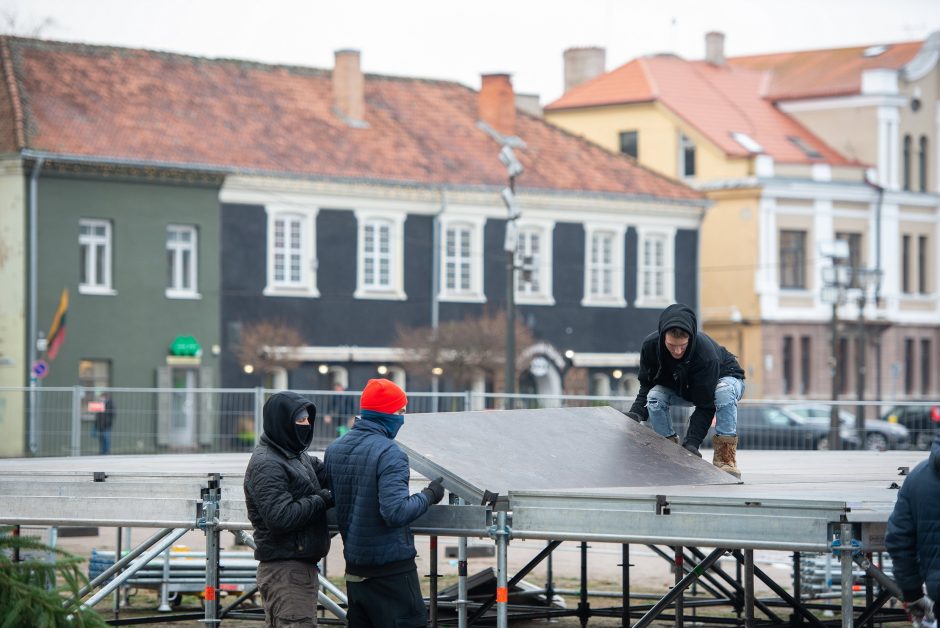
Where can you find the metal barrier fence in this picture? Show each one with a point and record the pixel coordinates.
(64, 421)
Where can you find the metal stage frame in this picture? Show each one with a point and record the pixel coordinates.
(792, 501)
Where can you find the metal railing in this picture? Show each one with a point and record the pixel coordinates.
(179, 420)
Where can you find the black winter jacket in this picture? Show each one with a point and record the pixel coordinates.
(913, 537)
(694, 377)
(281, 482)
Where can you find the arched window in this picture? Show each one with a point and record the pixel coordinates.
(907, 162)
(922, 163)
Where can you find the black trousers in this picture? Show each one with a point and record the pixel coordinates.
(386, 602)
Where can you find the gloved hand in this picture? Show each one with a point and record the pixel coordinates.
(434, 491)
(633, 415)
(919, 610)
(327, 496)
(692, 448)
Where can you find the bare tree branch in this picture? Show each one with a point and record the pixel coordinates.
(262, 345)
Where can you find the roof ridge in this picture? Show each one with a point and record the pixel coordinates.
(56, 43)
(813, 50)
(19, 126)
(654, 86)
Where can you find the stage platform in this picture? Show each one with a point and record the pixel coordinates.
(582, 474)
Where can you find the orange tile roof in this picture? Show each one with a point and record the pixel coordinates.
(821, 73)
(120, 103)
(715, 100)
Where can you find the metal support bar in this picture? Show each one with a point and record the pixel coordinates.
(461, 579)
(749, 588)
(119, 564)
(146, 557)
(212, 494)
(869, 613)
(546, 551)
(677, 590)
(584, 608)
(502, 566)
(678, 576)
(848, 609)
(736, 599)
(796, 604)
(713, 587)
(625, 588)
(432, 585)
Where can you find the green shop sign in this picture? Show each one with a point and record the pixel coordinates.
(185, 346)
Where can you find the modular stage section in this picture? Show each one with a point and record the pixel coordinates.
(557, 474)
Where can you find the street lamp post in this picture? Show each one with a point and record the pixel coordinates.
(864, 279)
(835, 282)
(513, 169)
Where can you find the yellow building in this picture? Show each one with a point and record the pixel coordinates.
(796, 151)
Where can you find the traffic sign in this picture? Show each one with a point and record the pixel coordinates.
(40, 369)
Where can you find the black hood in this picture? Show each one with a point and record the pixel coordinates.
(279, 412)
(683, 317)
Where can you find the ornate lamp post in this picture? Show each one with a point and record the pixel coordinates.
(836, 279)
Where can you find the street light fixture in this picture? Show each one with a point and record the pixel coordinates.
(865, 279)
(513, 169)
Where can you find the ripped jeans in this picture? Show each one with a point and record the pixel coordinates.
(727, 393)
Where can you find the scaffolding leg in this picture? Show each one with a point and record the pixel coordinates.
(749, 588)
(848, 610)
(625, 577)
(432, 601)
(502, 577)
(680, 572)
(210, 523)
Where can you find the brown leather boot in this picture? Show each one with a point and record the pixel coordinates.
(726, 448)
(674, 438)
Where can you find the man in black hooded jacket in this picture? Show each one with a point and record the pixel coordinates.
(287, 500)
(679, 364)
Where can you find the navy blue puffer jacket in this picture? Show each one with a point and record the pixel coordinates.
(368, 474)
(913, 538)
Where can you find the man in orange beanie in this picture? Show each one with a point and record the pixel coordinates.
(368, 474)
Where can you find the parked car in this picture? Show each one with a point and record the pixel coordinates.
(879, 435)
(775, 427)
(921, 421)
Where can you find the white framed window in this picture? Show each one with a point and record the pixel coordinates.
(534, 256)
(292, 251)
(94, 246)
(380, 256)
(603, 265)
(655, 267)
(181, 261)
(461, 258)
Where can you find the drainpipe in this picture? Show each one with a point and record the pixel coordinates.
(32, 327)
(436, 283)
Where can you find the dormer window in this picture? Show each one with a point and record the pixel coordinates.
(748, 142)
(686, 156)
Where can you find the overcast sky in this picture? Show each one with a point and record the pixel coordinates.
(459, 40)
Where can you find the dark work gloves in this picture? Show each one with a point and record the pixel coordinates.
(633, 415)
(692, 447)
(327, 496)
(434, 491)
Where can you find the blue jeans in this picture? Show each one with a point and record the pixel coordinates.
(727, 393)
(104, 442)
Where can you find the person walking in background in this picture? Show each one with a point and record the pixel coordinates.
(913, 538)
(681, 365)
(286, 496)
(369, 476)
(104, 421)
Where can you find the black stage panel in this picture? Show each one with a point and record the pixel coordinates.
(547, 449)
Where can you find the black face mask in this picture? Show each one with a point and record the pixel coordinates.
(304, 433)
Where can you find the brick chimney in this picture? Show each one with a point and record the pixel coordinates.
(583, 64)
(715, 48)
(349, 87)
(497, 103)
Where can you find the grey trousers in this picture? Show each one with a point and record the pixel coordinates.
(289, 592)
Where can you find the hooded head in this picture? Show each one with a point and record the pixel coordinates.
(281, 412)
(682, 318)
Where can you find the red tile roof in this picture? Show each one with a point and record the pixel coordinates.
(715, 100)
(821, 73)
(140, 105)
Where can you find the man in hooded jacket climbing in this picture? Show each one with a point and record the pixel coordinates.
(369, 474)
(681, 365)
(913, 537)
(287, 500)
